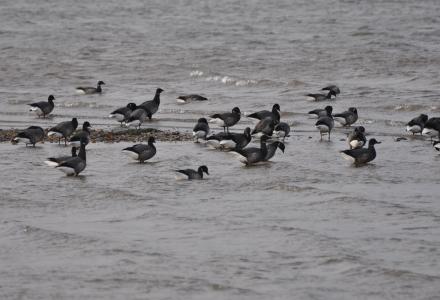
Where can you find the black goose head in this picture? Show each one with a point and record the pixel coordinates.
(101, 82)
(353, 110)
(86, 126)
(329, 110)
(360, 129)
(151, 140)
(75, 122)
(203, 169)
(424, 118)
(276, 107)
(247, 131)
(131, 106)
(159, 90)
(51, 98)
(373, 142)
(236, 110)
(202, 120)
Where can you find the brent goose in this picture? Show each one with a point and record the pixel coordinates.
(142, 152)
(332, 88)
(317, 113)
(137, 117)
(264, 127)
(201, 129)
(30, 136)
(272, 148)
(252, 155)
(325, 124)
(417, 124)
(123, 113)
(43, 108)
(236, 140)
(227, 120)
(361, 155)
(56, 161)
(76, 164)
(215, 139)
(192, 97)
(281, 130)
(356, 138)
(348, 117)
(432, 128)
(75, 140)
(63, 130)
(153, 105)
(320, 97)
(192, 174)
(90, 90)
(263, 114)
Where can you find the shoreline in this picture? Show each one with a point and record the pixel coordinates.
(112, 136)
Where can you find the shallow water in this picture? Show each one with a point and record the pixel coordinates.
(307, 225)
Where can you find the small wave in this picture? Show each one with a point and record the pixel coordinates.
(230, 80)
(408, 107)
(83, 104)
(196, 73)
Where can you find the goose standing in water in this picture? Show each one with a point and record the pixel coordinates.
(43, 108)
(281, 130)
(361, 156)
(201, 129)
(236, 141)
(90, 90)
(63, 130)
(252, 155)
(76, 164)
(191, 174)
(264, 127)
(347, 118)
(263, 114)
(432, 128)
(320, 97)
(227, 120)
(123, 113)
(356, 138)
(30, 136)
(325, 124)
(333, 88)
(317, 113)
(75, 140)
(215, 139)
(137, 117)
(152, 105)
(417, 124)
(56, 161)
(142, 152)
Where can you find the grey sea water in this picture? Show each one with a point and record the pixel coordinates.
(305, 226)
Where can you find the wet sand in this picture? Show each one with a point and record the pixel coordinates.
(114, 135)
